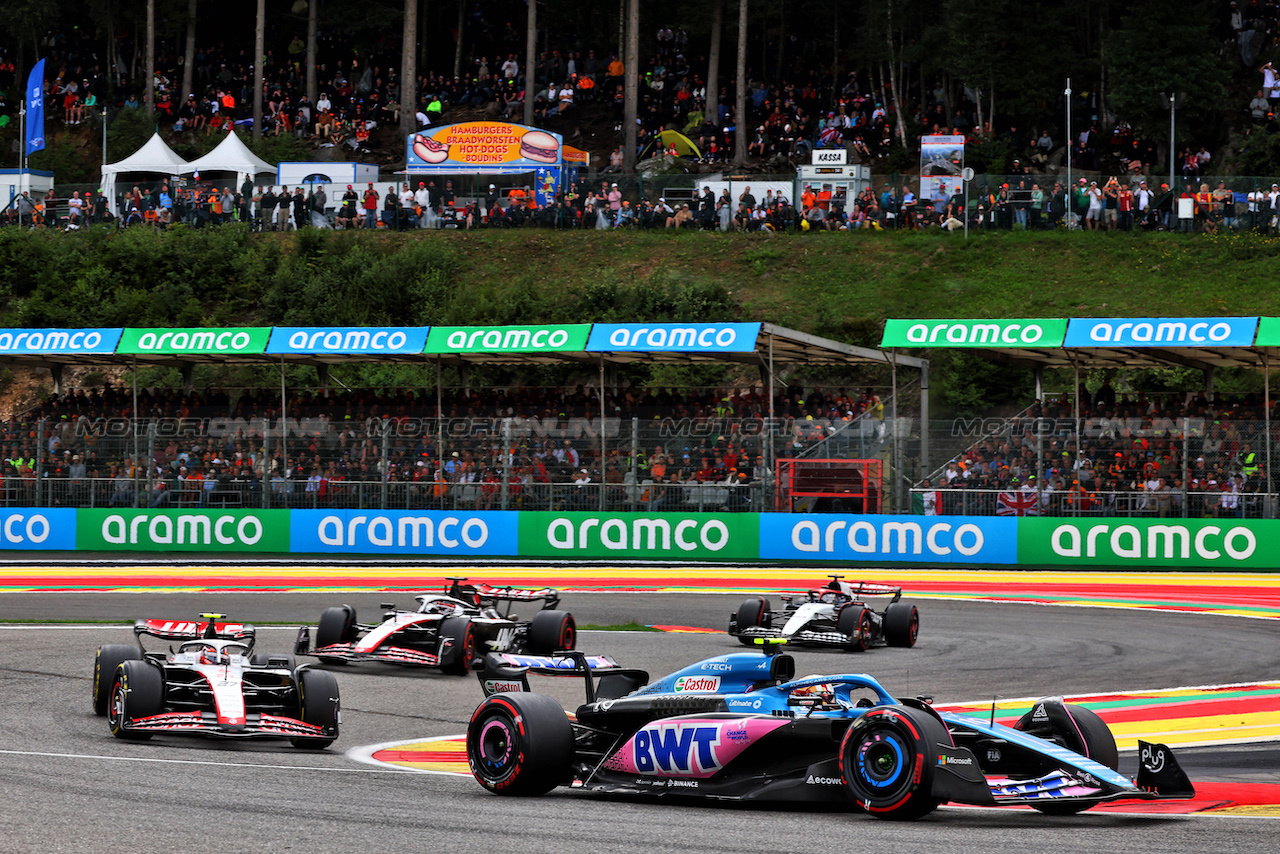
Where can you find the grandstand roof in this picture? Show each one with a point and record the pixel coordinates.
(759, 344)
(1203, 343)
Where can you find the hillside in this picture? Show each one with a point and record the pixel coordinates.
(838, 285)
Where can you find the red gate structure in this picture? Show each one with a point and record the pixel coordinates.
(829, 486)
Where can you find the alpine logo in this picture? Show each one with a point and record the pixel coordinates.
(697, 684)
(823, 781)
(1040, 714)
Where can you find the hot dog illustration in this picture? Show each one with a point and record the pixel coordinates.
(430, 151)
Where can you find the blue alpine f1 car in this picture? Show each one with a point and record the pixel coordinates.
(742, 727)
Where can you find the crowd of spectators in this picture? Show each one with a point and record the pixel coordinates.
(1133, 456)
(211, 449)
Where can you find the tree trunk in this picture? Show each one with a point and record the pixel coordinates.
(632, 80)
(712, 108)
(149, 84)
(189, 54)
(991, 109)
(530, 61)
(313, 24)
(409, 69)
(895, 76)
(782, 40)
(259, 50)
(740, 145)
(457, 48)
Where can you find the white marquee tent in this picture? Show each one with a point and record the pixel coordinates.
(231, 155)
(156, 157)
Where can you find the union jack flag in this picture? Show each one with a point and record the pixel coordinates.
(1017, 504)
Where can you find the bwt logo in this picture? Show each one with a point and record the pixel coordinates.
(691, 684)
(676, 748)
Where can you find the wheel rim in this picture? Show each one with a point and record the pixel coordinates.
(568, 636)
(495, 750)
(915, 627)
(883, 763)
(115, 710)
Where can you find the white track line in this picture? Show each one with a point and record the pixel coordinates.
(49, 755)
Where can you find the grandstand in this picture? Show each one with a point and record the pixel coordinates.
(474, 449)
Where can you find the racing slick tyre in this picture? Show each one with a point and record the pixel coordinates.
(1081, 731)
(887, 761)
(317, 704)
(266, 659)
(109, 657)
(854, 622)
(337, 625)
(552, 631)
(137, 691)
(520, 744)
(457, 658)
(752, 613)
(901, 624)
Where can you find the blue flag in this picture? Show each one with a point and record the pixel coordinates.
(35, 108)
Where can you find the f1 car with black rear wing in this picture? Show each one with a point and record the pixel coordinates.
(213, 684)
(446, 630)
(835, 615)
(741, 727)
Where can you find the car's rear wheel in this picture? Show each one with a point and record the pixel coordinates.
(551, 631)
(317, 704)
(1081, 731)
(901, 624)
(456, 657)
(337, 625)
(854, 622)
(752, 613)
(137, 691)
(520, 744)
(109, 657)
(887, 760)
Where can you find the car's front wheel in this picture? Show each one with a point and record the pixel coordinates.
(887, 760)
(137, 691)
(317, 704)
(109, 657)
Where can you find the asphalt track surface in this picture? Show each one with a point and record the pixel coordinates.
(69, 786)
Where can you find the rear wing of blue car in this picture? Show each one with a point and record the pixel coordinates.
(603, 678)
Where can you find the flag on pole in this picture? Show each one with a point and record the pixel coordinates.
(35, 109)
(1017, 504)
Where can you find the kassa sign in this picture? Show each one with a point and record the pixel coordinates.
(482, 144)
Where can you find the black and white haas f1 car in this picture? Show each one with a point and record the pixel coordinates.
(741, 727)
(214, 684)
(447, 630)
(836, 615)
